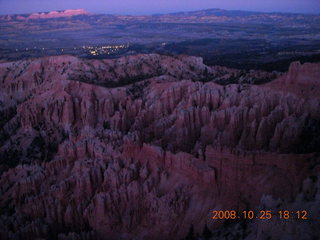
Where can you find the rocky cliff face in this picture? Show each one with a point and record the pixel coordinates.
(47, 15)
(144, 147)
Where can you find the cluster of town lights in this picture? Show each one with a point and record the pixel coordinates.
(109, 49)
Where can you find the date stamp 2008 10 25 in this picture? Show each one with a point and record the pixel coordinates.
(262, 214)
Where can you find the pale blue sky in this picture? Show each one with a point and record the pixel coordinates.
(157, 6)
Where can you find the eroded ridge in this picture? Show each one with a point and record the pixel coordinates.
(146, 145)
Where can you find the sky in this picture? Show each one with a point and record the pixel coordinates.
(136, 7)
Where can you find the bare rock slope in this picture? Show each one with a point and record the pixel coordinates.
(144, 147)
(47, 15)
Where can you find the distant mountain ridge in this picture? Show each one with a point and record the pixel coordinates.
(202, 16)
(205, 12)
(48, 15)
(232, 13)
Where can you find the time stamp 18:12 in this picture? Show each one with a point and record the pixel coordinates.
(262, 214)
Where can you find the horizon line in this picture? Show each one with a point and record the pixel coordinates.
(164, 13)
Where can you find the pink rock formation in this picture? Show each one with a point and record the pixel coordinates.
(55, 14)
(302, 80)
(140, 148)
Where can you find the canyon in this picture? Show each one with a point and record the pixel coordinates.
(147, 146)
